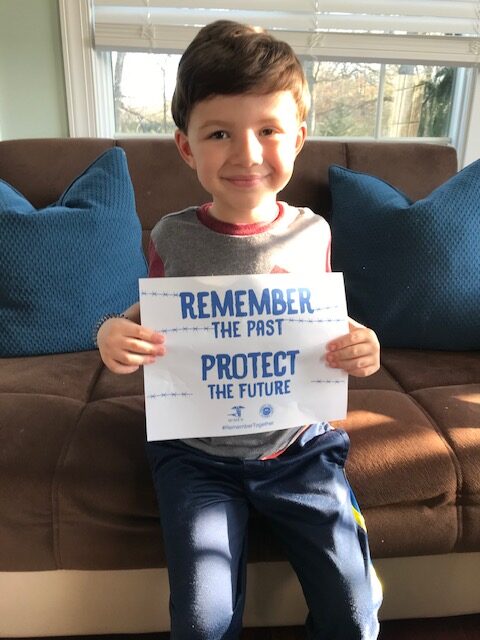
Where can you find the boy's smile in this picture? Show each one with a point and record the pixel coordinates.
(243, 148)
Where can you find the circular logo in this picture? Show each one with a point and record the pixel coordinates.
(266, 410)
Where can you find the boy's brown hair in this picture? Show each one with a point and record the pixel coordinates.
(228, 58)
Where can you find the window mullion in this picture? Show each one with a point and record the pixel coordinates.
(379, 112)
(465, 123)
(105, 119)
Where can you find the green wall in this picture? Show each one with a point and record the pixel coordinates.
(32, 86)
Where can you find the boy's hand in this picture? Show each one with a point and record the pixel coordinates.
(357, 353)
(124, 345)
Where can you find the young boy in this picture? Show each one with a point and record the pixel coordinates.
(240, 105)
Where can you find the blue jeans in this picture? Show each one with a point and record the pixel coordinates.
(204, 504)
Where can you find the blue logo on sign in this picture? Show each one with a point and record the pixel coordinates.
(237, 411)
(266, 410)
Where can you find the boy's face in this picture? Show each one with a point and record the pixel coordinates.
(243, 148)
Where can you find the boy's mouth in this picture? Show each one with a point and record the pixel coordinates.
(251, 180)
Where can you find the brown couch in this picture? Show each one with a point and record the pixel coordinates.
(80, 543)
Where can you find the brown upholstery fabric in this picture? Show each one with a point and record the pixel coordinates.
(69, 375)
(456, 411)
(427, 530)
(75, 490)
(34, 430)
(401, 445)
(42, 169)
(414, 168)
(414, 369)
(107, 515)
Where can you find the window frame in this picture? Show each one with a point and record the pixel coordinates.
(88, 82)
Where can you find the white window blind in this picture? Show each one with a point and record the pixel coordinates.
(420, 31)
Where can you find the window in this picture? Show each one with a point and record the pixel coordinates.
(376, 68)
(381, 100)
(349, 99)
(143, 87)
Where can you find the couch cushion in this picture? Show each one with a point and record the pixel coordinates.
(415, 168)
(395, 452)
(411, 269)
(416, 369)
(34, 431)
(22, 164)
(390, 433)
(413, 530)
(456, 411)
(107, 516)
(66, 265)
(67, 375)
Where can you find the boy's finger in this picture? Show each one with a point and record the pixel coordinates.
(141, 346)
(344, 341)
(129, 359)
(143, 333)
(118, 367)
(360, 336)
(123, 369)
(357, 363)
(353, 324)
(350, 352)
(364, 372)
(358, 366)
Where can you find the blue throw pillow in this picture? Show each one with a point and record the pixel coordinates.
(65, 266)
(412, 269)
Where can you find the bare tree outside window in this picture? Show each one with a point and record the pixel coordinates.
(344, 98)
(142, 92)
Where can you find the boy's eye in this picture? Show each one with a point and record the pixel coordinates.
(218, 135)
(268, 131)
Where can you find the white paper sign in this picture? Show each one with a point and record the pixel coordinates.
(244, 354)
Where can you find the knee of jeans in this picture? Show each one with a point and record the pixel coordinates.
(348, 627)
(214, 625)
(208, 614)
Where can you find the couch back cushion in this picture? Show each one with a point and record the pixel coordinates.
(163, 183)
(64, 266)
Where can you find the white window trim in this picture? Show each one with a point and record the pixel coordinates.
(468, 148)
(88, 75)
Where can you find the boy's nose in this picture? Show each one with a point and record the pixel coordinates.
(248, 149)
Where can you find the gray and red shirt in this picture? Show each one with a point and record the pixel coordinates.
(194, 243)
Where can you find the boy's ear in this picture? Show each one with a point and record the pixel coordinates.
(301, 136)
(183, 146)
